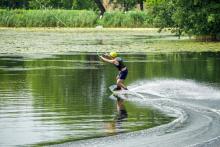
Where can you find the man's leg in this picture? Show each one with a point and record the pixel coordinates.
(118, 87)
(122, 112)
(120, 104)
(121, 84)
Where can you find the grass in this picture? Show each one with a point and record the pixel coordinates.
(72, 18)
(47, 18)
(131, 19)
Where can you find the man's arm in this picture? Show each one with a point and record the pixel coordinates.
(107, 60)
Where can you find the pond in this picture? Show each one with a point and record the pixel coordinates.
(66, 97)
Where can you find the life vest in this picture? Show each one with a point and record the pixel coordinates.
(121, 65)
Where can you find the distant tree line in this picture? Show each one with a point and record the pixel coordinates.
(39, 4)
(68, 4)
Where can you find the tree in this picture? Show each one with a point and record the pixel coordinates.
(101, 7)
(127, 4)
(194, 17)
(12, 4)
(198, 17)
(141, 3)
(84, 4)
(162, 12)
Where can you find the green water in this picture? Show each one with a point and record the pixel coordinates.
(64, 98)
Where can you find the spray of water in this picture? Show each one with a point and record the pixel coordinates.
(196, 107)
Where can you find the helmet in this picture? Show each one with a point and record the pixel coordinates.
(113, 54)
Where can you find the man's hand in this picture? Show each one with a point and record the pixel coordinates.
(101, 57)
(106, 55)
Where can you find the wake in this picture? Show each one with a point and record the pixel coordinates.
(196, 107)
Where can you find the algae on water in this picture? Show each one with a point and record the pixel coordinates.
(63, 40)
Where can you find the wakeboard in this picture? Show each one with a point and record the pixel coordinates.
(117, 93)
(123, 94)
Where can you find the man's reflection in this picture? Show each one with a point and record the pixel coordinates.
(122, 112)
(116, 125)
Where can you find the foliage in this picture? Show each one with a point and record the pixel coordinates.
(198, 17)
(128, 4)
(47, 18)
(84, 4)
(73, 18)
(154, 2)
(162, 14)
(194, 17)
(129, 19)
(64, 4)
(41, 4)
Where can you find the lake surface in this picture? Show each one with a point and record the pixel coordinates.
(65, 97)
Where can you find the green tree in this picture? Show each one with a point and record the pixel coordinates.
(84, 4)
(194, 17)
(127, 4)
(62, 4)
(198, 17)
(12, 4)
(55, 4)
(161, 11)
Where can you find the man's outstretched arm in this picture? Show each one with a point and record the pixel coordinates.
(107, 60)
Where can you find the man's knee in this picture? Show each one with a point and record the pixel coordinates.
(118, 81)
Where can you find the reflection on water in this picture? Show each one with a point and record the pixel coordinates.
(66, 97)
(122, 112)
(120, 118)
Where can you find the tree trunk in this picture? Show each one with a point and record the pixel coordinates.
(125, 6)
(100, 6)
(141, 2)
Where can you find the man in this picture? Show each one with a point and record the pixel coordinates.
(123, 71)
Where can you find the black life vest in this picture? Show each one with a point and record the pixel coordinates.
(121, 65)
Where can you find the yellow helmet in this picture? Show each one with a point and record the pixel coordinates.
(113, 54)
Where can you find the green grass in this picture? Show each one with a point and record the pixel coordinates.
(47, 18)
(72, 18)
(131, 19)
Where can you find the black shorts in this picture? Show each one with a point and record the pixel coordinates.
(123, 74)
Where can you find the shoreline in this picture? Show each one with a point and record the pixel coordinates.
(97, 28)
